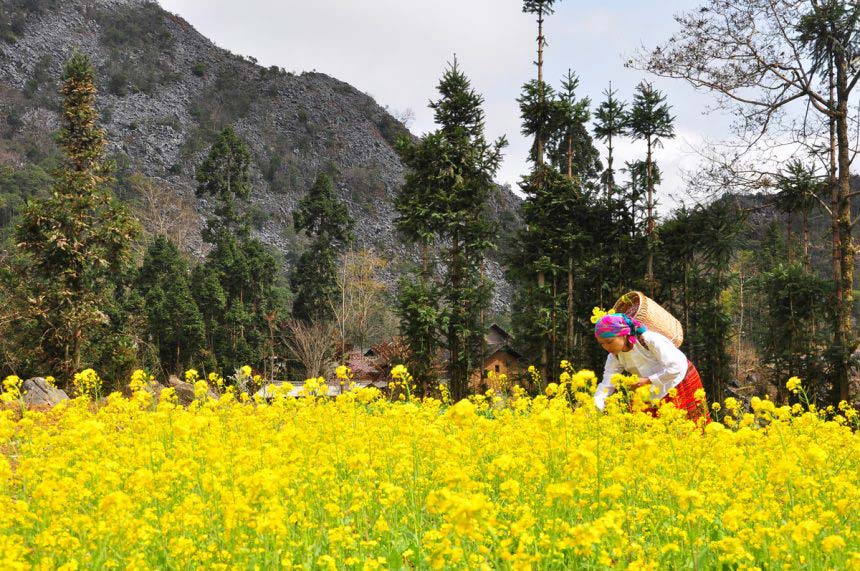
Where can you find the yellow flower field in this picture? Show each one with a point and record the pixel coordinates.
(360, 482)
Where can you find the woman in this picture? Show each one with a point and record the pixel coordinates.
(653, 358)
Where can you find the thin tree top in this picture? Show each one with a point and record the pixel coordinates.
(650, 116)
(458, 110)
(572, 111)
(539, 7)
(610, 117)
(830, 27)
(320, 213)
(798, 187)
(82, 140)
(224, 172)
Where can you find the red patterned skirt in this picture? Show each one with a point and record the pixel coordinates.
(685, 398)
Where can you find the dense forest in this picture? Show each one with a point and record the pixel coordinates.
(759, 270)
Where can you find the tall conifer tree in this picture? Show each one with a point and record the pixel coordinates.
(326, 221)
(610, 124)
(453, 167)
(539, 113)
(173, 320)
(78, 241)
(572, 153)
(239, 270)
(651, 121)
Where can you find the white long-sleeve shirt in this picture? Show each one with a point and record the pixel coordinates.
(663, 363)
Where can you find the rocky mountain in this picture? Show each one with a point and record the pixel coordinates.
(165, 91)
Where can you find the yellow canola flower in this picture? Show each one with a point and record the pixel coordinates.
(502, 480)
(87, 383)
(793, 384)
(11, 390)
(597, 313)
(343, 372)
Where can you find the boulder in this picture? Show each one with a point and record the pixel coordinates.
(37, 392)
(185, 391)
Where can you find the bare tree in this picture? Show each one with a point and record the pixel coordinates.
(162, 210)
(761, 58)
(313, 345)
(360, 310)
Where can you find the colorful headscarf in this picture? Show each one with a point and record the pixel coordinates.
(618, 325)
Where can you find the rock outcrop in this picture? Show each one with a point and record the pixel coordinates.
(37, 392)
(166, 90)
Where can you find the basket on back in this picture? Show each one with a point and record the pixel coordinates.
(642, 308)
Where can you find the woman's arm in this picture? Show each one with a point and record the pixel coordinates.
(606, 388)
(673, 361)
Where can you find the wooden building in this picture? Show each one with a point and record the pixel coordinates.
(501, 359)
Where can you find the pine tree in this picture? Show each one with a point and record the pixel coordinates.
(326, 221)
(239, 270)
(798, 187)
(571, 148)
(173, 320)
(78, 241)
(695, 252)
(224, 175)
(419, 300)
(539, 112)
(211, 299)
(453, 169)
(611, 123)
(541, 93)
(651, 121)
(572, 152)
(423, 319)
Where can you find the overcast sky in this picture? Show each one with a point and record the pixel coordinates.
(396, 50)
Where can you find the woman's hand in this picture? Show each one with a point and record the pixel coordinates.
(641, 383)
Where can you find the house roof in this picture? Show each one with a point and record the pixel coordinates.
(361, 365)
(503, 349)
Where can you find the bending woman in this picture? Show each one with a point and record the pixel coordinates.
(653, 358)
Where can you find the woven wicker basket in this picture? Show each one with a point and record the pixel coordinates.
(642, 308)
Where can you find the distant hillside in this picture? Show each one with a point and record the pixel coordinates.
(165, 91)
(761, 212)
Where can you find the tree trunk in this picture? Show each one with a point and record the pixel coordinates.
(846, 245)
(569, 344)
(649, 276)
(483, 333)
(342, 359)
(610, 179)
(687, 300)
(740, 328)
(540, 47)
(425, 259)
(633, 202)
(807, 262)
(455, 347)
(540, 135)
(554, 330)
(76, 351)
(570, 155)
(569, 307)
(544, 357)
